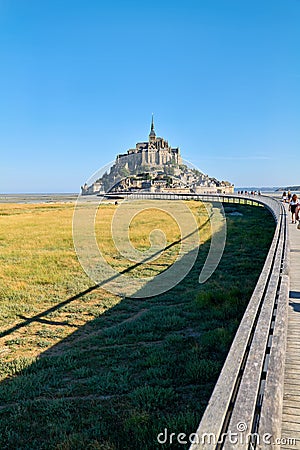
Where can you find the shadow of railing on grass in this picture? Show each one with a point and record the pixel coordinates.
(96, 358)
(39, 317)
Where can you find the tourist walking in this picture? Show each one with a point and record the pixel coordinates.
(297, 214)
(289, 196)
(294, 207)
(284, 197)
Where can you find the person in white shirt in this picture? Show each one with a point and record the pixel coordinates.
(294, 208)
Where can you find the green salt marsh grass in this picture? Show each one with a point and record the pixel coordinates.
(101, 372)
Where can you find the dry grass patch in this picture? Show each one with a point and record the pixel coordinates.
(39, 270)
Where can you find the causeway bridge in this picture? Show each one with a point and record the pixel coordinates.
(256, 401)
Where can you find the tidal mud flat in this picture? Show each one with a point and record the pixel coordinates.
(38, 198)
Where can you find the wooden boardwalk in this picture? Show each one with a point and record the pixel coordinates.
(291, 399)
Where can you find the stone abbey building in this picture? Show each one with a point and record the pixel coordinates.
(155, 154)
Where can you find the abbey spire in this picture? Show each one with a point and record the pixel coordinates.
(152, 134)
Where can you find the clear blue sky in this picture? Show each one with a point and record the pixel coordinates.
(80, 79)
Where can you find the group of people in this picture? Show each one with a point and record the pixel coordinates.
(294, 205)
(249, 193)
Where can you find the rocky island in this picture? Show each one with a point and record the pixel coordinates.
(155, 166)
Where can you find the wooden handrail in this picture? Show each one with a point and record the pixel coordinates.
(245, 408)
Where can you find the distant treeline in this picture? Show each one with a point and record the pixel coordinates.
(289, 188)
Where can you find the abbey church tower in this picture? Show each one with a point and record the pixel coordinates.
(153, 154)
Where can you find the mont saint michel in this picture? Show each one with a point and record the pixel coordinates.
(155, 166)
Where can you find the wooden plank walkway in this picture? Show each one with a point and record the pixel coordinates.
(291, 398)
